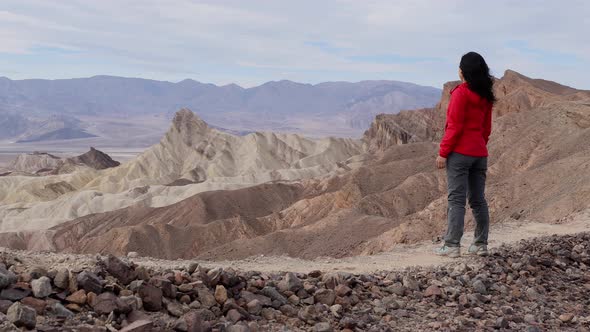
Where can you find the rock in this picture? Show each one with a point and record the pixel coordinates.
(62, 279)
(532, 293)
(185, 299)
(501, 323)
(220, 294)
(22, 316)
(120, 270)
(480, 287)
(135, 285)
(507, 310)
(4, 305)
(185, 288)
(397, 289)
(14, 293)
(322, 327)
(206, 298)
(238, 328)
(7, 278)
(133, 254)
(331, 280)
(105, 303)
(342, 290)
(72, 282)
(325, 296)
(195, 322)
(477, 312)
(214, 275)
(254, 307)
(89, 282)
(264, 300)
(432, 291)
(566, 318)
(136, 315)
(58, 310)
(90, 298)
(151, 296)
(336, 310)
(79, 297)
(529, 319)
(37, 304)
(234, 315)
(274, 295)
(142, 325)
(142, 273)
(290, 283)
(288, 310)
(168, 289)
(132, 301)
(308, 314)
(41, 287)
(175, 309)
(293, 299)
(180, 325)
(192, 267)
(410, 283)
(73, 307)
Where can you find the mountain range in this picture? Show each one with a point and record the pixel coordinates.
(36, 110)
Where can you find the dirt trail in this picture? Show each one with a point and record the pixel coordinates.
(400, 257)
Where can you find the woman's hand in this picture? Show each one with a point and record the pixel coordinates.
(441, 162)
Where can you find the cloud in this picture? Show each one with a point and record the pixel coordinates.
(249, 42)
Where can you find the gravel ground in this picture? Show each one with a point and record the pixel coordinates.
(540, 284)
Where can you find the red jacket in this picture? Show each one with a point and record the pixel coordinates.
(469, 124)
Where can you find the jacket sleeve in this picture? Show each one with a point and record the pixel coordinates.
(487, 126)
(455, 121)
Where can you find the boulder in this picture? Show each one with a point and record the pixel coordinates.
(22, 316)
(89, 282)
(151, 296)
(41, 287)
(120, 270)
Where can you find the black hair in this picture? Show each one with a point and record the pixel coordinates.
(477, 75)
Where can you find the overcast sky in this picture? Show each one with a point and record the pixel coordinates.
(249, 42)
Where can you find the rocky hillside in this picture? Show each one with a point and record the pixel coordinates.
(515, 93)
(536, 285)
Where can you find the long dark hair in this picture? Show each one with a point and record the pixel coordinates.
(477, 75)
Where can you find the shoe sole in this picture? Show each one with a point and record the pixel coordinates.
(477, 253)
(453, 255)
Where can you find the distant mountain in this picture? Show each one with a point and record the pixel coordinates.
(43, 163)
(287, 106)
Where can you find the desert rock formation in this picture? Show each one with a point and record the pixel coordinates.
(191, 158)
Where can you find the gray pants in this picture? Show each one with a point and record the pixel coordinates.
(466, 177)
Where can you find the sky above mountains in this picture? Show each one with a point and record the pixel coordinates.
(251, 42)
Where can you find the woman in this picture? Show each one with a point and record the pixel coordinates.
(463, 150)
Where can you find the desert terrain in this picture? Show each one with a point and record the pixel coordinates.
(213, 230)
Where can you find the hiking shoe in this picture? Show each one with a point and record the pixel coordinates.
(478, 249)
(452, 252)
